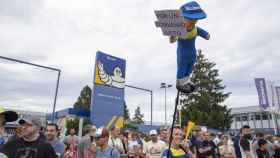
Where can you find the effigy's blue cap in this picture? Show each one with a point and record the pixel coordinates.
(193, 11)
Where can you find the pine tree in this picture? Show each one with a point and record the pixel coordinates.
(84, 99)
(138, 117)
(126, 113)
(206, 107)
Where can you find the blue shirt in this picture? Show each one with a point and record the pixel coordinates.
(58, 147)
(109, 152)
(186, 45)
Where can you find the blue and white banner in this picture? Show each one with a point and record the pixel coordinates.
(262, 92)
(277, 90)
(107, 103)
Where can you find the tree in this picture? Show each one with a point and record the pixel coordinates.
(72, 123)
(126, 113)
(138, 117)
(84, 100)
(205, 107)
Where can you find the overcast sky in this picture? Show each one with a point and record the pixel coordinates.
(66, 34)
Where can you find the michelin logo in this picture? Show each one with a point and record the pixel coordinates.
(116, 80)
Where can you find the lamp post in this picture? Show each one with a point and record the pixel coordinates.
(165, 86)
(147, 90)
(45, 67)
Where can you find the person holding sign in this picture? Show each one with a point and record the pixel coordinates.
(186, 51)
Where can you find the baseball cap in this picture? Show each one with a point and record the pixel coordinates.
(193, 11)
(31, 120)
(10, 116)
(153, 132)
(101, 132)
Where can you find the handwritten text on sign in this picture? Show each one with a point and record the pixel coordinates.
(170, 22)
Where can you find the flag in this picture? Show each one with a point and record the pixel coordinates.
(189, 128)
(262, 92)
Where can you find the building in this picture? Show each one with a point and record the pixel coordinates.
(267, 121)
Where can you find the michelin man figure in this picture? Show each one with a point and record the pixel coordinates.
(186, 51)
(116, 80)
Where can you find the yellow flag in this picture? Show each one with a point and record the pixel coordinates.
(189, 128)
(120, 122)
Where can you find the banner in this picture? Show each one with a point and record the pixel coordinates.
(170, 22)
(262, 92)
(277, 90)
(107, 103)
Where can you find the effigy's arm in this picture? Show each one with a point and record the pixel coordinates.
(202, 33)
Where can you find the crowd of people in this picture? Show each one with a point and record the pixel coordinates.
(32, 140)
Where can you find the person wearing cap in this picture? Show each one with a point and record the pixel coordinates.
(186, 51)
(29, 145)
(154, 147)
(103, 150)
(5, 116)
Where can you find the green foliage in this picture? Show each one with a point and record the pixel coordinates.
(84, 99)
(138, 117)
(72, 123)
(131, 126)
(206, 107)
(126, 113)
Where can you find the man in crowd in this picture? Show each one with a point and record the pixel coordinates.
(115, 141)
(203, 147)
(84, 147)
(259, 136)
(104, 150)
(246, 142)
(163, 135)
(178, 149)
(262, 151)
(5, 116)
(135, 146)
(52, 131)
(154, 148)
(29, 145)
(72, 141)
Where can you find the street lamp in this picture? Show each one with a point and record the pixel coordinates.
(165, 86)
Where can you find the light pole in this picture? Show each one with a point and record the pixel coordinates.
(165, 86)
(45, 67)
(147, 90)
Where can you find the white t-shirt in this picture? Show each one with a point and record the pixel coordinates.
(154, 150)
(116, 143)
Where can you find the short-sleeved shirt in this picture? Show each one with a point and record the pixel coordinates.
(20, 148)
(116, 143)
(109, 152)
(58, 147)
(154, 150)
